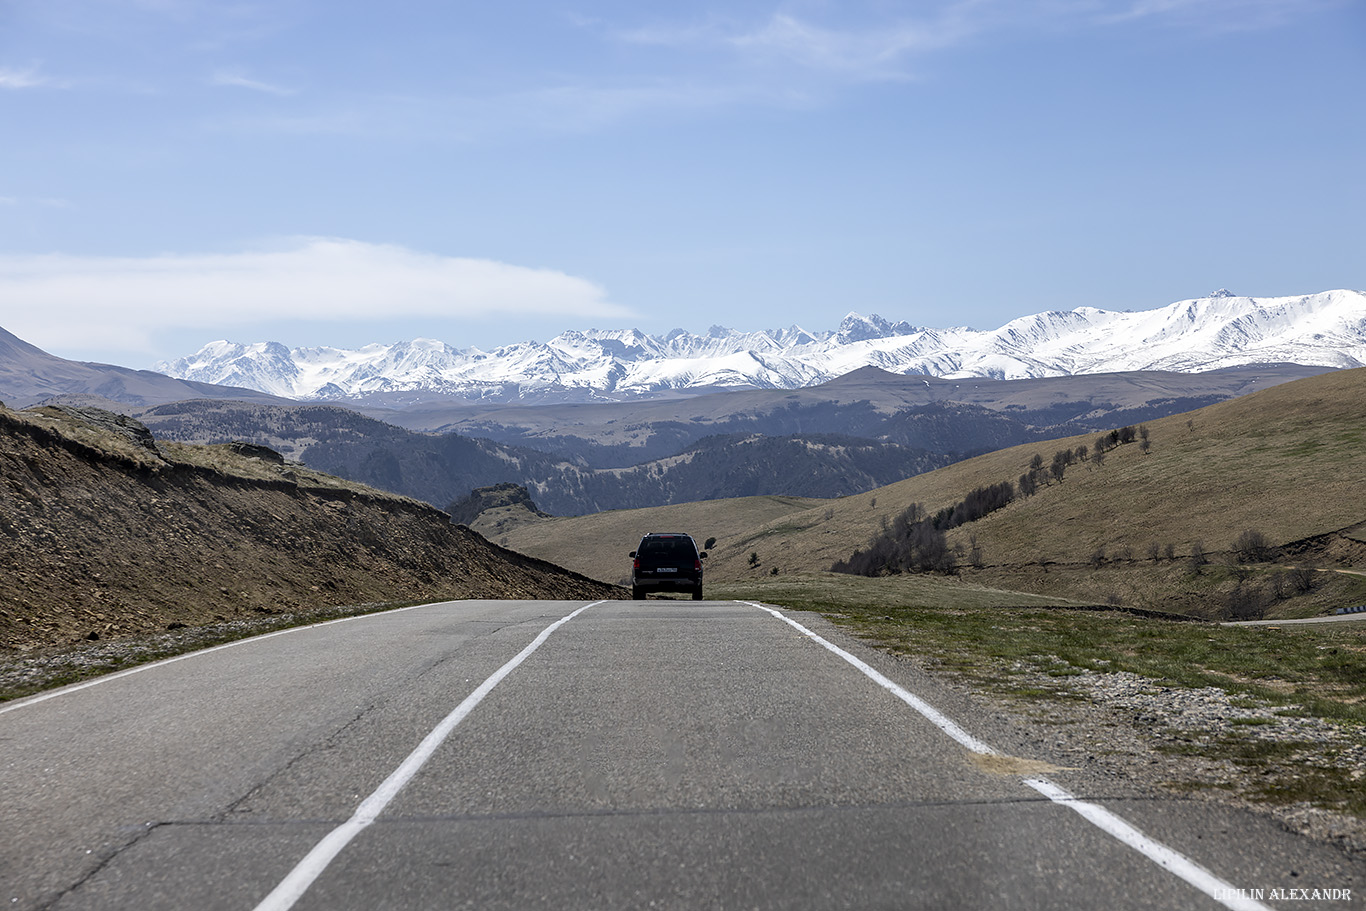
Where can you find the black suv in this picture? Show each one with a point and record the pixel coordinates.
(666, 563)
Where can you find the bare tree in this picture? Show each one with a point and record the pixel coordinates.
(1304, 577)
(1198, 558)
(1253, 547)
(975, 552)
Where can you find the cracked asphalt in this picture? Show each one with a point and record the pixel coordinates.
(649, 754)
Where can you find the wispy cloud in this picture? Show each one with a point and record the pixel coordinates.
(1214, 15)
(236, 79)
(869, 49)
(73, 302)
(872, 53)
(11, 78)
(886, 45)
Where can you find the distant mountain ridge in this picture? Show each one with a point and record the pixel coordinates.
(1222, 330)
(29, 375)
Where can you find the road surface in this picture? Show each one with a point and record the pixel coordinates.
(660, 754)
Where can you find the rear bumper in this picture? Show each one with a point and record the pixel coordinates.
(666, 583)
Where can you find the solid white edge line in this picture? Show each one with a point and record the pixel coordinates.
(306, 872)
(1172, 861)
(936, 717)
(152, 665)
(1168, 859)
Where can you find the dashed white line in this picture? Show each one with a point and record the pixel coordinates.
(297, 882)
(1167, 858)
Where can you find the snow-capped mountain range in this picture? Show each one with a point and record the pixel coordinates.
(1221, 330)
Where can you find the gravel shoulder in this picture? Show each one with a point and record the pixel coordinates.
(1200, 743)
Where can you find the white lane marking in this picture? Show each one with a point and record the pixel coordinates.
(1165, 857)
(296, 883)
(107, 678)
(1169, 860)
(938, 718)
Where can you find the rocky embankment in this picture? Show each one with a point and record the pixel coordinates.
(105, 532)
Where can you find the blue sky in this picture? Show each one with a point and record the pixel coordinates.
(330, 172)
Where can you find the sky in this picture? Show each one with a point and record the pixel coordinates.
(335, 172)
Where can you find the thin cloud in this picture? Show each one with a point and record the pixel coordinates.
(1218, 14)
(235, 79)
(11, 78)
(877, 49)
(870, 53)
(65, 301)
(884, 47)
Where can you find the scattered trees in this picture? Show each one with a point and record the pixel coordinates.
(1253, 547)
(915, 541)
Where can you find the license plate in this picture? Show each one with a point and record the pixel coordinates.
(667, 569)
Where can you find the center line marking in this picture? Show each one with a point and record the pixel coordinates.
(306, 872)
(1111, 824)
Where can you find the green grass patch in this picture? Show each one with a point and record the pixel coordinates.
(1321, 668)
(989, 636)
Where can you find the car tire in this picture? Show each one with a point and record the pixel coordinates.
(697, 593)
(637, 594)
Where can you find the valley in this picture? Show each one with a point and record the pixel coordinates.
(1155, 529)
(847, 436)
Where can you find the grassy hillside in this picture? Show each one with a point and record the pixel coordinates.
(596, 545)
(107, 533)
(1288, 462)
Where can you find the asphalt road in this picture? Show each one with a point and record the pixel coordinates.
(661, 754)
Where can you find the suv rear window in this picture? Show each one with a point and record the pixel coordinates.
(659, 547)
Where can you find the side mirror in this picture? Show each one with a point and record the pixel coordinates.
(631, 554)
(702, 556)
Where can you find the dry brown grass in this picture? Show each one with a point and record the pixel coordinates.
(597, 545)
(1288, 461)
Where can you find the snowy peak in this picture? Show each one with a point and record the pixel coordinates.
(1220, 330)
